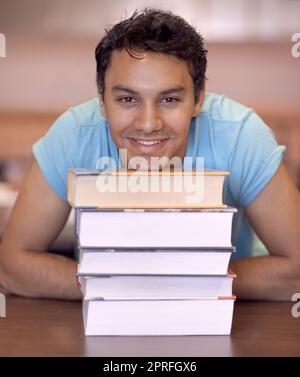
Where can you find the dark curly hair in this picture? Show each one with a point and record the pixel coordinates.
(158, 31)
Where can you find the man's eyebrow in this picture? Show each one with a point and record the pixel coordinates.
(176, 89)
(121, 88)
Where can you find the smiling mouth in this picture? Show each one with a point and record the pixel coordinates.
(147, 143)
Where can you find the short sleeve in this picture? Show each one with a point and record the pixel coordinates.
(54, 153)
(255, 159)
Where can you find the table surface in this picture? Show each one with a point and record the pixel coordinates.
(38, 327)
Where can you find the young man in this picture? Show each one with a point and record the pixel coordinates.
(152, 101)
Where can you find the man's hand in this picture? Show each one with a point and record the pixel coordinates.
(36, 220)
(275, 217)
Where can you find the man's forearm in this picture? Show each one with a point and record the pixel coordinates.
(270, 277)
(41, 274)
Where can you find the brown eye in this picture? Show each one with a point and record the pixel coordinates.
(126, 99)
(170, 100)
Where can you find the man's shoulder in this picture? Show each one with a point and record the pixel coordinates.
(220, 108)
(87, 113)
(228, 122)
(230, 128)
(81, 131)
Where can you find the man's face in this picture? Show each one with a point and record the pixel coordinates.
(149, 104)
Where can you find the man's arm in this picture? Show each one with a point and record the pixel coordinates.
(36, 220)
(275, 217)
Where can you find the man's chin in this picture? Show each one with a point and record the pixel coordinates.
(153, 163)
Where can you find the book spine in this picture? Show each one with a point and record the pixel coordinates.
(77, 221)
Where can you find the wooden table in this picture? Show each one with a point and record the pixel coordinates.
(36, 327)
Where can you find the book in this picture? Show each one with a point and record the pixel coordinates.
(155, 287)
(158, 317)
(181, 228)
(155, 262)
(143, 189)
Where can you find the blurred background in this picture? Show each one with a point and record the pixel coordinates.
(49, 65)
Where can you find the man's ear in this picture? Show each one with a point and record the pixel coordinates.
(199, 103)
(102, 106)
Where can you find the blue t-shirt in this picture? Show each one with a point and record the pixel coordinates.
(227, 134)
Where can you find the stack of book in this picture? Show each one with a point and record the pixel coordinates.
(148, 262)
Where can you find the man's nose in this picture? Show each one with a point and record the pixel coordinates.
(148, 119)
